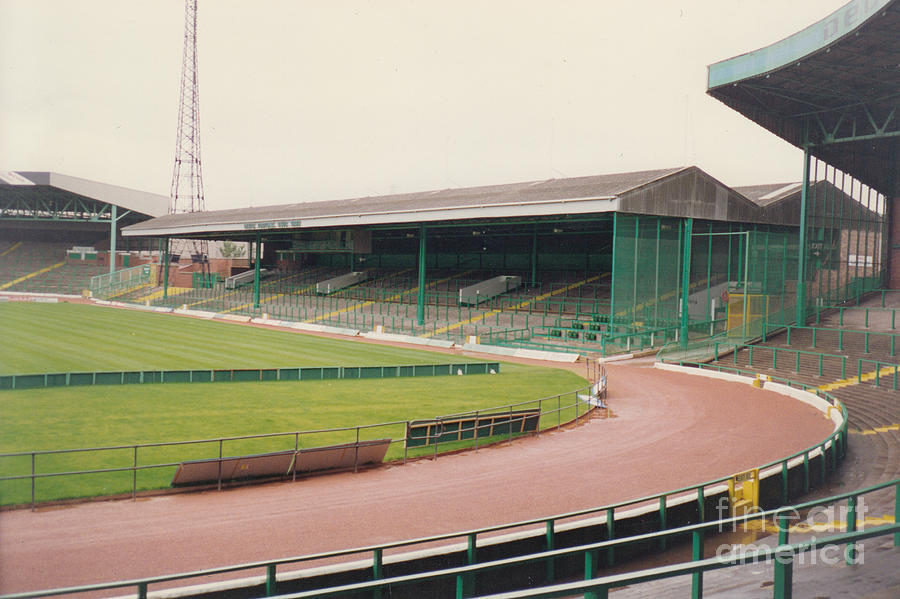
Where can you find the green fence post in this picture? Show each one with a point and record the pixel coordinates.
(610, 535)
(142, 590)
(851, 527)
(549, 538)
(134, 475)
(590, 568)
(377, 559)
(697, 555)
(897, 513)
(806, 472)
(784, 482)
(32, 480)
(471, 558)
(701, 505)
(662, 522)
(271, 582)
(784, 561)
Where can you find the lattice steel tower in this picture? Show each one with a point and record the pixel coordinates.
(187, 178)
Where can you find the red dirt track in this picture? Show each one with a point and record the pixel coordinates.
(671, 430)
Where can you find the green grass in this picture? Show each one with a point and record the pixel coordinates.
(56, 338)
(64, 337)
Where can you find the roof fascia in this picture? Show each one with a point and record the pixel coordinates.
(544, 208)
(814, 38)
(139, 201)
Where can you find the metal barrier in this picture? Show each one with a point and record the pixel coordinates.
(594, 587)
(882, 369)
(129, 456)
(775, 351)
(842, 333)
(857, 309)
(830, 449)
(307, 373)
(104, 285)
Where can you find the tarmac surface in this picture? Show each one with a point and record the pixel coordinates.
(669, 430)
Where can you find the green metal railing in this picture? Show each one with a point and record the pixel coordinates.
(843, 334)
(105, 285)
(879, 368)
(830, 449)
(594, 587)
(859, 309)
(128, 461)
(775, 351)
(307, 373)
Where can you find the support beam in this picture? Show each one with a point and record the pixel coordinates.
(685, 278)
(113, 220)
(801, 259)
(166, 270)
(256, 271)
(420, 301)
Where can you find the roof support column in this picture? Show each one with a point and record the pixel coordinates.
(685, 278)
(534, 255)
(256, 272)
(166, 270)
(612, 278)
(113, 223)
(113, 218)
(891, 232)
(420, 301)
(801, 259)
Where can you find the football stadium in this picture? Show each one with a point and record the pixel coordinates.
(646, 383)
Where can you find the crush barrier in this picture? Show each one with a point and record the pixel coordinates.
(307, 373)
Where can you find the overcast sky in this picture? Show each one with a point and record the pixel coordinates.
(329, 99)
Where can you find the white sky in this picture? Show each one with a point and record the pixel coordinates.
(329, 99)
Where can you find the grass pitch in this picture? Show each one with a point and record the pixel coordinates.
(40, 338)
(70, 337)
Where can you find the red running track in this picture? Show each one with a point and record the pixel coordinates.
(670, 430)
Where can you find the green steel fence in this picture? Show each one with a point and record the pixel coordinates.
(307, 373)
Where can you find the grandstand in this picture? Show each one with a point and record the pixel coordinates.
(58, 232)
(608, 263)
